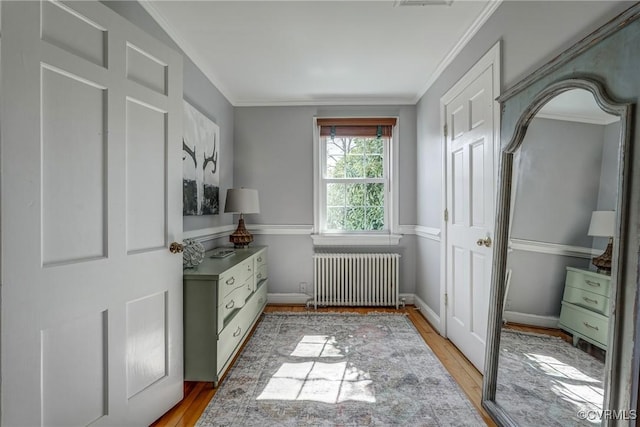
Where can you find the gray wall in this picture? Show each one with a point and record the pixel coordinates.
(557, 187)
(607, 194)
(274, 154)
(273, 144)
(532, 33)
(200, 93)
(558, 178)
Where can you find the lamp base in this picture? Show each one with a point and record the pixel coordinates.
(241, 237)
(603, 262)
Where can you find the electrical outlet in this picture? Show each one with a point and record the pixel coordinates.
(303, 287)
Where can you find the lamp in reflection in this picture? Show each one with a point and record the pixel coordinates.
(602, 225)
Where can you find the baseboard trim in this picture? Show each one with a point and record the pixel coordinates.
(288, 299)
(531, 319)
(298, 298)
(428, 313)
(408, 298)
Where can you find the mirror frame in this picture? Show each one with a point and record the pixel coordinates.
(503, 207)
(607, 58)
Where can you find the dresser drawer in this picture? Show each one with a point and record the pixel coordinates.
(260, 267)
(261, 258)
(589, 281)
(259, 299)
(229, 339)
(234, 277)
(587, 299)
(235, 300)
(584, 322)
(239, 325)
(261, 274)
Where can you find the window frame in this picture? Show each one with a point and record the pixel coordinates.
(389, 235)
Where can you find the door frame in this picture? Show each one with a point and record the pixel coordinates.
(492, 58)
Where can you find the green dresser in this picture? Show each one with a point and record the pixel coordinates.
(223, 299)
(586, 306)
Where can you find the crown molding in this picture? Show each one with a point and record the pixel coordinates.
(486, 13)
(576, 118)
(186, 47)
(197, 59)
(356, 101)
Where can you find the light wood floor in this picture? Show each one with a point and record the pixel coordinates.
(198, 394)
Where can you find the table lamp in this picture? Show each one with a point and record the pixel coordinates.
(603, 225)
(242, 201)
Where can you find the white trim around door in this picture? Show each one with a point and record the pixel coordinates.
(490, 59)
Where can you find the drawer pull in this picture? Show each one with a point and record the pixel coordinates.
(590, 326)
(231, 281)
(259, 276)
(230, 305)
(592, 283)
(259, 259)
(237, 332)
(589, 300)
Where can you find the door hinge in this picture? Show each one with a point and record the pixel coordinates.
(446, 215)
(446, 299)
(445, 130)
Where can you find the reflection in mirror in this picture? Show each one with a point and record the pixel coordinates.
(553, 343)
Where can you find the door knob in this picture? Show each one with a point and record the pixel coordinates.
(484, 242)
(176, 248)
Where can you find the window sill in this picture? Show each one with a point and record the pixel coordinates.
(356, 239)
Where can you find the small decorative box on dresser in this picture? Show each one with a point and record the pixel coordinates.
(223, 299)
(585, 306)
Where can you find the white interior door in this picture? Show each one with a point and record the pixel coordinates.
(91, 198)
(471, 144)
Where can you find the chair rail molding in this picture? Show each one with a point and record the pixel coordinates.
(211, 233)
(216, 232)
(431, 233)
(553, 248)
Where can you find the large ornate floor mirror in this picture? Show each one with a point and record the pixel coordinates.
(562, 327)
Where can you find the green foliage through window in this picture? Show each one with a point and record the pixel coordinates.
(354, 205)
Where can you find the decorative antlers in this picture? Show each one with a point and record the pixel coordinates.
(213, 159)
(190, 152)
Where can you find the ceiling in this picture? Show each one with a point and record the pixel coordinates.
(320, 52)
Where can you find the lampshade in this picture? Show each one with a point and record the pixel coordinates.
(602, 224)
(242, 200)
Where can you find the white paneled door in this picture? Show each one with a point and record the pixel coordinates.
(471, 144)
(91, 199)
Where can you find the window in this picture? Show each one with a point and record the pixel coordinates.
(354, 191)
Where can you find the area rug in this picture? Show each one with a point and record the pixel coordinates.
(545, 381)
(325, 369)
